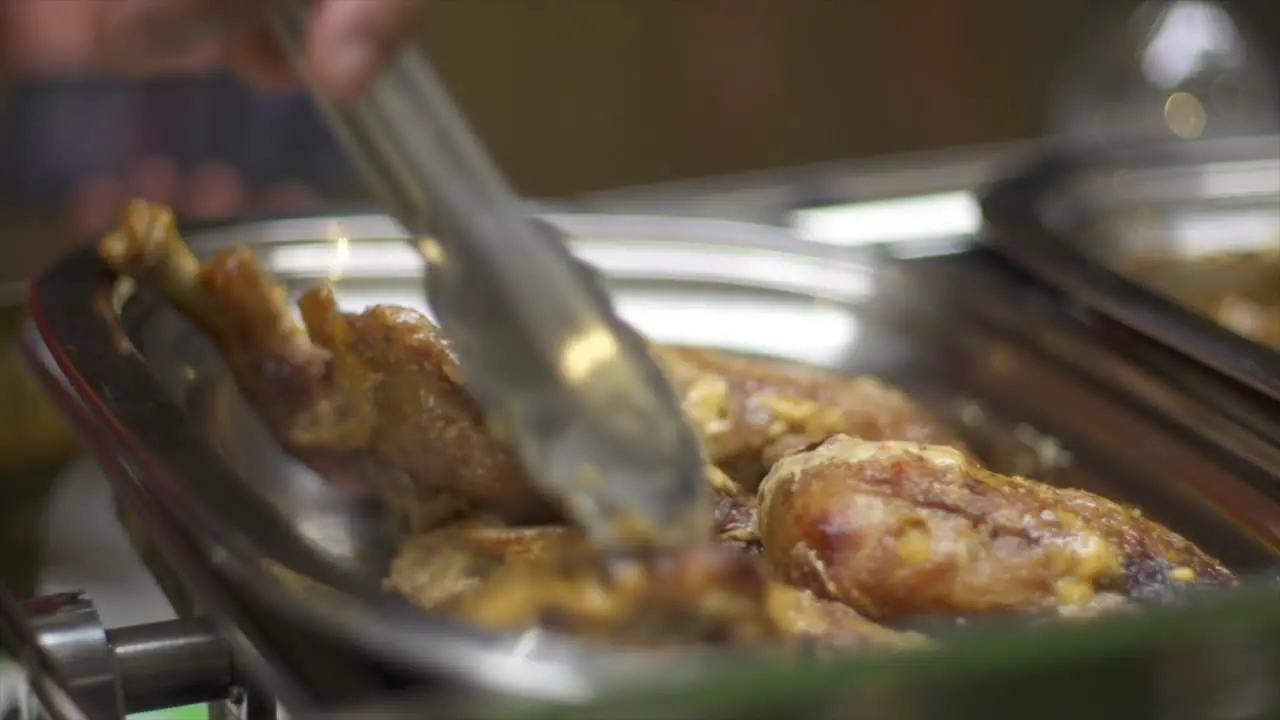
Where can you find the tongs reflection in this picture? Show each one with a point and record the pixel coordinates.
(569, 385)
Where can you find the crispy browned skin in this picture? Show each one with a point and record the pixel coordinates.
(434, 567)
(802, 615)
(749, 412)
(373, 400)
(415, 414)
(898, 529)
(517, 579)
(736, 510)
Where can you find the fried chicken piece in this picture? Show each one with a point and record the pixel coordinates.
(432, 567)
(736, 510)
(521, 578)
(802, 615)
(435, 567)
(750, 412)
(896, 529)
(711, 595)
(373, 400)
(415, 415)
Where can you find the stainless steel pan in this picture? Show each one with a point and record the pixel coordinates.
(1034, 390)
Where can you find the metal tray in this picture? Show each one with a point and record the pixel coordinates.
(1075, 220)
(1035, 390)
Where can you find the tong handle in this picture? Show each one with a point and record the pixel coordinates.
(570, 385)
(41, 672)
(405, 125)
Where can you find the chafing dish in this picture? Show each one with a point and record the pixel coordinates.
(1176, 241)
(1143, 234)
(287, 566)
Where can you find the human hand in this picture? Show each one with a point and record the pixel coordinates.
(347, 40)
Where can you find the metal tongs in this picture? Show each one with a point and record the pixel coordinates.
(561, 377)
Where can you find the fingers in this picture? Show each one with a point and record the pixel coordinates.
(153, 36)
(350, 41)
(145, 37)
(256, 56)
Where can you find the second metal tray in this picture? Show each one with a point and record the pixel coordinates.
(1077, 220)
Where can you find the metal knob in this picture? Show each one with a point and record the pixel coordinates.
(80, 669)
(68, 629)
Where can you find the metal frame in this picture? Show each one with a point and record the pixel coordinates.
(1021, 226)
(116, 419)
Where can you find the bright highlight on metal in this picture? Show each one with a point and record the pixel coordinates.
(586, 353)
(921, 217)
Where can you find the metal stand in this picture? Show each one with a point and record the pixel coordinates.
(109, 673)
(245, 704)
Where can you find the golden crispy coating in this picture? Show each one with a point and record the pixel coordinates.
(516, 579)
(897, 529)
(244, 313)
(372, 400)
(710, 595)
(736, 510)
(800, 614)
(434, 567)
(749, 412)
(865, 515)
(412, 412)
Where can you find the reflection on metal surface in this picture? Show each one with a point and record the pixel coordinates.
(17, 700)
(1184, 115)
(771, 196)
(80, 669)
(392, 257)
(1188, 235)
(171, 664)
(810, 332)
(585, 353)
(1202, 231)
(1188, 38)
(431, 251)
(31, 680)
(1167, 70)
(943, 215)
(69, 630)
(341, 251)
(1180, 200)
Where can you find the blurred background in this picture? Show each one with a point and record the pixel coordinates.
(575, 96)
(571, 96)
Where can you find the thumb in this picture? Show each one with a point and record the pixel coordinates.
(349, 42)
